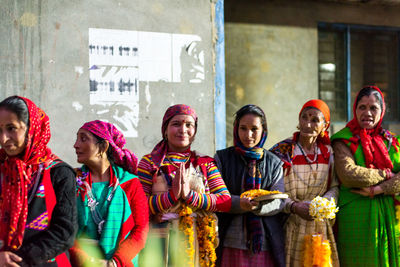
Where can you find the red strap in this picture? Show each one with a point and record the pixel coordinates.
(62, 260)
(50, 196)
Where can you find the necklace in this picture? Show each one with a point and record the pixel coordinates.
(309, 161)
(173, 164)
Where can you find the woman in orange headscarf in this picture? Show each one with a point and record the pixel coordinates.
(308, 159)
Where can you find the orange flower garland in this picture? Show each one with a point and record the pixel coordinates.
(253, 193)
(206, 236)
(206, 231)
(186, 226)
(317, 252)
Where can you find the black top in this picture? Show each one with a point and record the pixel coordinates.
(233, 169)
(39, 246)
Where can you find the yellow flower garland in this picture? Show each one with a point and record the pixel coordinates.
(317, 252)
(206, 236)
(186, 226)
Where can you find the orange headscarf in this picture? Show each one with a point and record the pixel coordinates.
(323, 107)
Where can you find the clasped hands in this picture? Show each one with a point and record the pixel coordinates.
(180, 184)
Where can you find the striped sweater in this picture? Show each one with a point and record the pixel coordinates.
(215, 198)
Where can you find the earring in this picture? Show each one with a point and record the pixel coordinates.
(322, 134)
(298, 127)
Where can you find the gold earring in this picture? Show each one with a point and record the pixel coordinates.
(322, 134)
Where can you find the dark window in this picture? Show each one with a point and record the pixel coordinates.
(352, 56)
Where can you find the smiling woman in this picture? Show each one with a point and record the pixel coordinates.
(184, 188)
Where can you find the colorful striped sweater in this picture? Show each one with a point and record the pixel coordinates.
(215, 198)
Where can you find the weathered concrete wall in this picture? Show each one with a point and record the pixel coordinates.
(272, 55)
(270, 66)
(44, 56)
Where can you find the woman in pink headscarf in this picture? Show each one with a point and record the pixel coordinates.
(183, 187)
(112, 207)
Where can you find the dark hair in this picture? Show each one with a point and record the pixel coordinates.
(367, 91)
(18, 106)
(101, 141)
(251, 109)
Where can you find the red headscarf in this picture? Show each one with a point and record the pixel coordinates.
(323, 107)
(17, 176)
(375, 152)
(160, 150)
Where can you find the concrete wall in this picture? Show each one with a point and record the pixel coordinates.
(270, 66)
(272, 55)
(44, 56)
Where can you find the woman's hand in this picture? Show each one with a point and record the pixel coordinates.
(184, 182)
(302, 209)
(177, 184)
(248, 205)
(368, 191)
(9, 259)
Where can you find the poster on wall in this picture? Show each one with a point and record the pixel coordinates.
(120, 59)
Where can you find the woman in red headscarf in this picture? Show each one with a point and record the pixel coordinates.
(308, 159)
(184, 188)
(37, 190)
(366, 160)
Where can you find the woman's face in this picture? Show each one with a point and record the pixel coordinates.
(12, 133)
(368, 112)
(311, 123)
(86, 148)
(180, 132)
(250, 130)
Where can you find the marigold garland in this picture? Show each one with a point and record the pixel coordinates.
(206, 236)
(186, 226)
(253, 193)
(317, 252)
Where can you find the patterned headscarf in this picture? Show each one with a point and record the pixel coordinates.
(323, 107)
(123, 157)
(375, 151)
(160, 150)
(17, 176)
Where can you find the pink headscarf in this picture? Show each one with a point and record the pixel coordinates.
(160, 150)
(123, 157)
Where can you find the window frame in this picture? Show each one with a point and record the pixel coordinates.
(346, 28)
